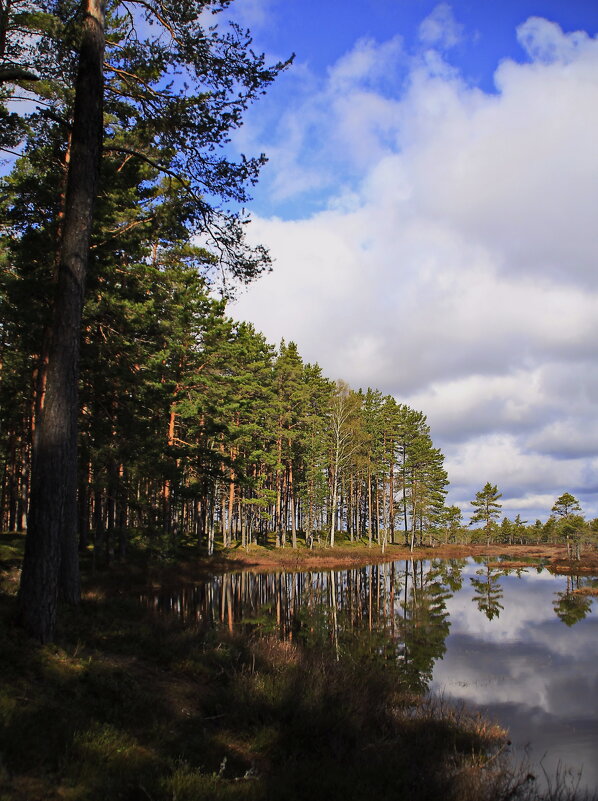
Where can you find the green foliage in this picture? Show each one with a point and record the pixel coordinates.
(565, 506)
(486, 505)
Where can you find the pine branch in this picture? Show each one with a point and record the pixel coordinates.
(11, 74)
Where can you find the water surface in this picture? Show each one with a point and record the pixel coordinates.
(533, 666)
(521, 646)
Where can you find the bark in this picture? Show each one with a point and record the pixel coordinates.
(292, 503)
(231, 505)
(333, 506)
(369, 508)
(4, 17)
(51, 556)
(279, 487)
(391, 508)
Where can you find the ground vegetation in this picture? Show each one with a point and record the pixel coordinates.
(131, 704)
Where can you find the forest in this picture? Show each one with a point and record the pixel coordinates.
(178, 423)
(189, 424)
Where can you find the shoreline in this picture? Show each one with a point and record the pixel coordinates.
(346, 556)
(141, 568)
(187, 569)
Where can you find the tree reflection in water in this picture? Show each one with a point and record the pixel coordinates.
(570, 606)
(488, 591)
(394, 612)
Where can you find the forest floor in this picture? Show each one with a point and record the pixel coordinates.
(128, 705)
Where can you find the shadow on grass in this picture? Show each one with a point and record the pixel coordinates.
(129, 706)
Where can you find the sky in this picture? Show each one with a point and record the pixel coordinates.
(430, 203)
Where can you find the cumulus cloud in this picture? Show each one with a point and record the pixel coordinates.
(455, 263)
(545, 41)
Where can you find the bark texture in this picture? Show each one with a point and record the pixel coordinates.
(51, 562)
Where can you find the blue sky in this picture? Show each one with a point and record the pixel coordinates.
(430, 203)
(480, 36)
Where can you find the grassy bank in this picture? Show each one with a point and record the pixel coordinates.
(358, 553)
(128, 705)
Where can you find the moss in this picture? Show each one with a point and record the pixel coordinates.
(108, 762)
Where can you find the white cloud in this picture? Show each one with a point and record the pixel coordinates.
(253, 13)
(545, 41)
(440, 28)
(455, 266)
(503, 459)
(367, 63)
(565, 437)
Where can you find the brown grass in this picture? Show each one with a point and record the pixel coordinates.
(341, 557)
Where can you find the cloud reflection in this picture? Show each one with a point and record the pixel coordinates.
(529, 671)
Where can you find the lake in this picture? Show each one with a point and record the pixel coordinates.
(520, 645)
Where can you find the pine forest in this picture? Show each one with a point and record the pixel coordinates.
(190, 425)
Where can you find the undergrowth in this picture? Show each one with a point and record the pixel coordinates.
(128, 706)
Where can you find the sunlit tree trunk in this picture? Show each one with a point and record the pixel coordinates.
(292, 504)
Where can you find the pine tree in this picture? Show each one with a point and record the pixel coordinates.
(313, 486)
(486, 506)
(565, 505)
(342, 417)
(177, 132)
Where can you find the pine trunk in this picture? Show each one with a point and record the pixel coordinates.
(369, 509)
(51, 555)
(292, 504)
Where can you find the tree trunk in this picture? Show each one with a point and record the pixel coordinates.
(391, 508)
(369, 508)
(333, 504)
(292, 503)
(51, 558)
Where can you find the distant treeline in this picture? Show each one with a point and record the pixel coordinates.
(514, 531)
(566, 524)
(193, 426)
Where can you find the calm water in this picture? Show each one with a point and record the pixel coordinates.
(519, 645)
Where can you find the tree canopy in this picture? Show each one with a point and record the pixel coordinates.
(148, 83)
(565, 505)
